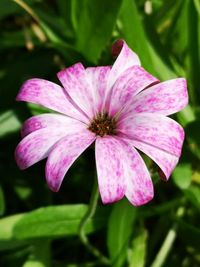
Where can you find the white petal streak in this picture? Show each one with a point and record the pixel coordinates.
(63, 154)
(125, 59)
(49, 95)
(154, 129)
(139, 186)
(36, 146)
(164, 160)
(110, 169)
(165, 98)
(128, 85)
(77, 84)
(98, 77)
(53, 121)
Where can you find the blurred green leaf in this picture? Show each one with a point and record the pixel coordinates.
(186, 115)
(120, 228)
(192, 133)
(39, 255)
(132, 30)
(7, 241)
(193, 48)
(7, 9)
(9, 123)
(193, 195)
(36, 109)
(95, 25)
(57, 221)
(137, 254)
(49, 222)
(189, 234)
(2, 201)
(182, 175)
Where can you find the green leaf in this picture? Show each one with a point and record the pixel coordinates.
(49, 222)
(2, 201)
(137, 254)
(186, 115)
(133, 31)
(7, 240)
(120, 227)
(56, 221)
(182, 175)
(193, 48)
(9, 123)
(39, 255)
(95, 25)
(192, 133)
(188, 233)
(193, 195)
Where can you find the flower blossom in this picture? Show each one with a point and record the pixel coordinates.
(122, 108)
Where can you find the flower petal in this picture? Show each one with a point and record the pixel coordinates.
(130, 83)
(165, 98)
(125, 59)
(154, 129)
(77, 84)
(49, 95)
(139, 186)
(36, 146)
(166, 161)
(110, 169)
(50, 120)
(63, 154)
(98, 77)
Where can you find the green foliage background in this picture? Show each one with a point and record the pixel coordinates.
(39, 228)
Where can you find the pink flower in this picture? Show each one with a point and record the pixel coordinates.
(122, 108)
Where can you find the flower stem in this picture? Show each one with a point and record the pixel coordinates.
(89, 214)
(168, 242)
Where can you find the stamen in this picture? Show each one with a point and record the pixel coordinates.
(102, 125)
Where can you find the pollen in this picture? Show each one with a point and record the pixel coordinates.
(102, 125)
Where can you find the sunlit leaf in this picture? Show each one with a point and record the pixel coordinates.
(95, 25)
(182, 175)
(57, 221)
(137, 254)
(9, 123)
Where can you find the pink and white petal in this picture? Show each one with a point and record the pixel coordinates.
(154, 129)
(36, 146)
(165, 98)
(139, 186)
(166, 161)
(98, 77)
(77, 84)
(110, 169)
(128, 85)
(125, 59)
(63, 155)
(49, 95)
(53, 121)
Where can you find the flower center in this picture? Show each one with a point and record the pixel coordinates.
(102, 125)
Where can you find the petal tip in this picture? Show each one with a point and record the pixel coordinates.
(52, 183)
(19, 159)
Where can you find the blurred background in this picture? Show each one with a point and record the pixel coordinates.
(39, 228)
